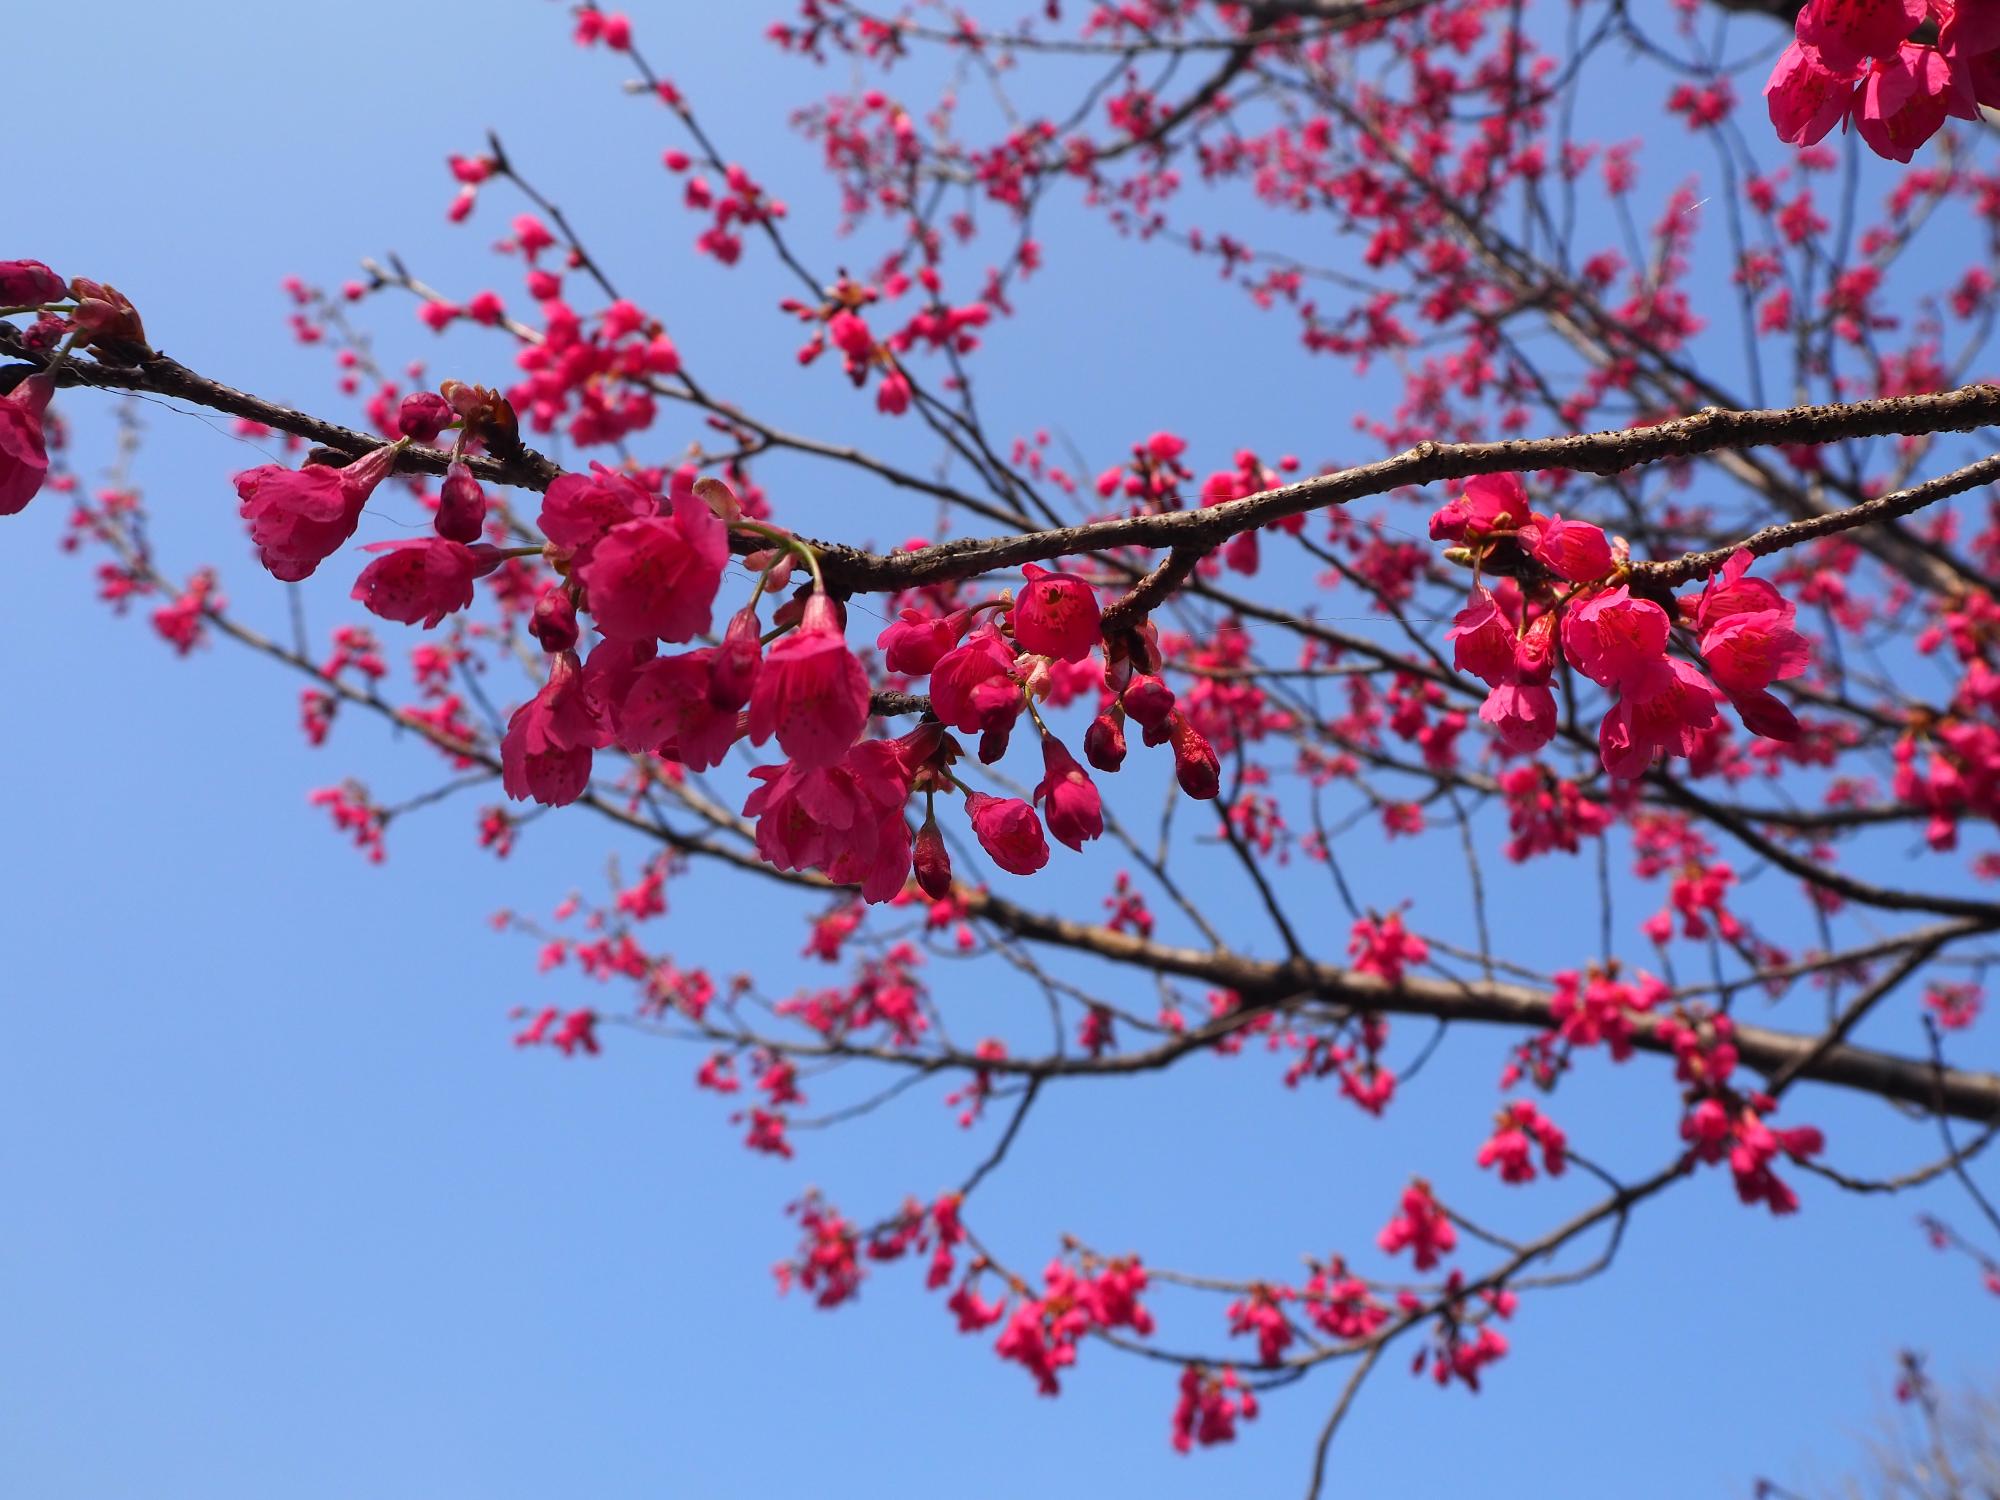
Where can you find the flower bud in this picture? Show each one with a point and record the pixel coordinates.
(1148, 700)
(736, 662)
(1104, 743)
(26, 282)
(461, 512)
(423, 415)
(932, 861)
(103, 313)
(1195, 765)
(554, 621)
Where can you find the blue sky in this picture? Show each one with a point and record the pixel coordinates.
(292, 1217)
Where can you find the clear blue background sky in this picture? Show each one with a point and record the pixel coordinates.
(290, 1216)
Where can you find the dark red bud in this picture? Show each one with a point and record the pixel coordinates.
(932, 861)
(1148, 700)
(1195, 765)
(1104, 743)
(554, 620)
(736, 662)
(424, 415)
(461, 512)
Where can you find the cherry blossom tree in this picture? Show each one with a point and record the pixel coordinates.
(1663, 563)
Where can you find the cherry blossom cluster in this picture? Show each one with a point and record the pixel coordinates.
(1572, 609)
(649, 667)
(1895, 70)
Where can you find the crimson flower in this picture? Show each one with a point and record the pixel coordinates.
(301, 517)
(811, 691)
(24, 454)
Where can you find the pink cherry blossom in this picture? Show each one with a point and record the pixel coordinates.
(915, 641)
(1055, 615)
(420, 582)
(1847, 33)
(1522, 715)
(811, 691)
(546, 752)
(1749, 651)
(1666, 709)
(655, 578)
(1482, 640)
(738, 660)
(1904, 101)
(844, 820)
(1490, 503)
(579, 509)
(553, 620)
(1384, 947)
(1421, 1228)
(1575, 550)
(1615, 639)
(1104, 743)
(973, 686)
(24, 454)
(667, 710)
(1806, 97)
(1147, 701)
(1731, 591)
(301, 517)
(931, 861)
(423, 415)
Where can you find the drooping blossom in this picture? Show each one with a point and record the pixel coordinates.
(738, 660)
(811, 691)
(24, 454)
(1615, 639)
(301, 517)
(1384, 947)
(655, 578)
(1008, 829)
(844, 820)
(1482, 640)
(1748, 652)
(420, 582)
(1666, 710)
(1806, 98)
(546, 752)
(1518, 1130)
(1055, 615)
(1068, 797)
(1523, 715)
(667, 710)
(1104, 743)
(1748, 642)
(1905, 100)
(1846, 33)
